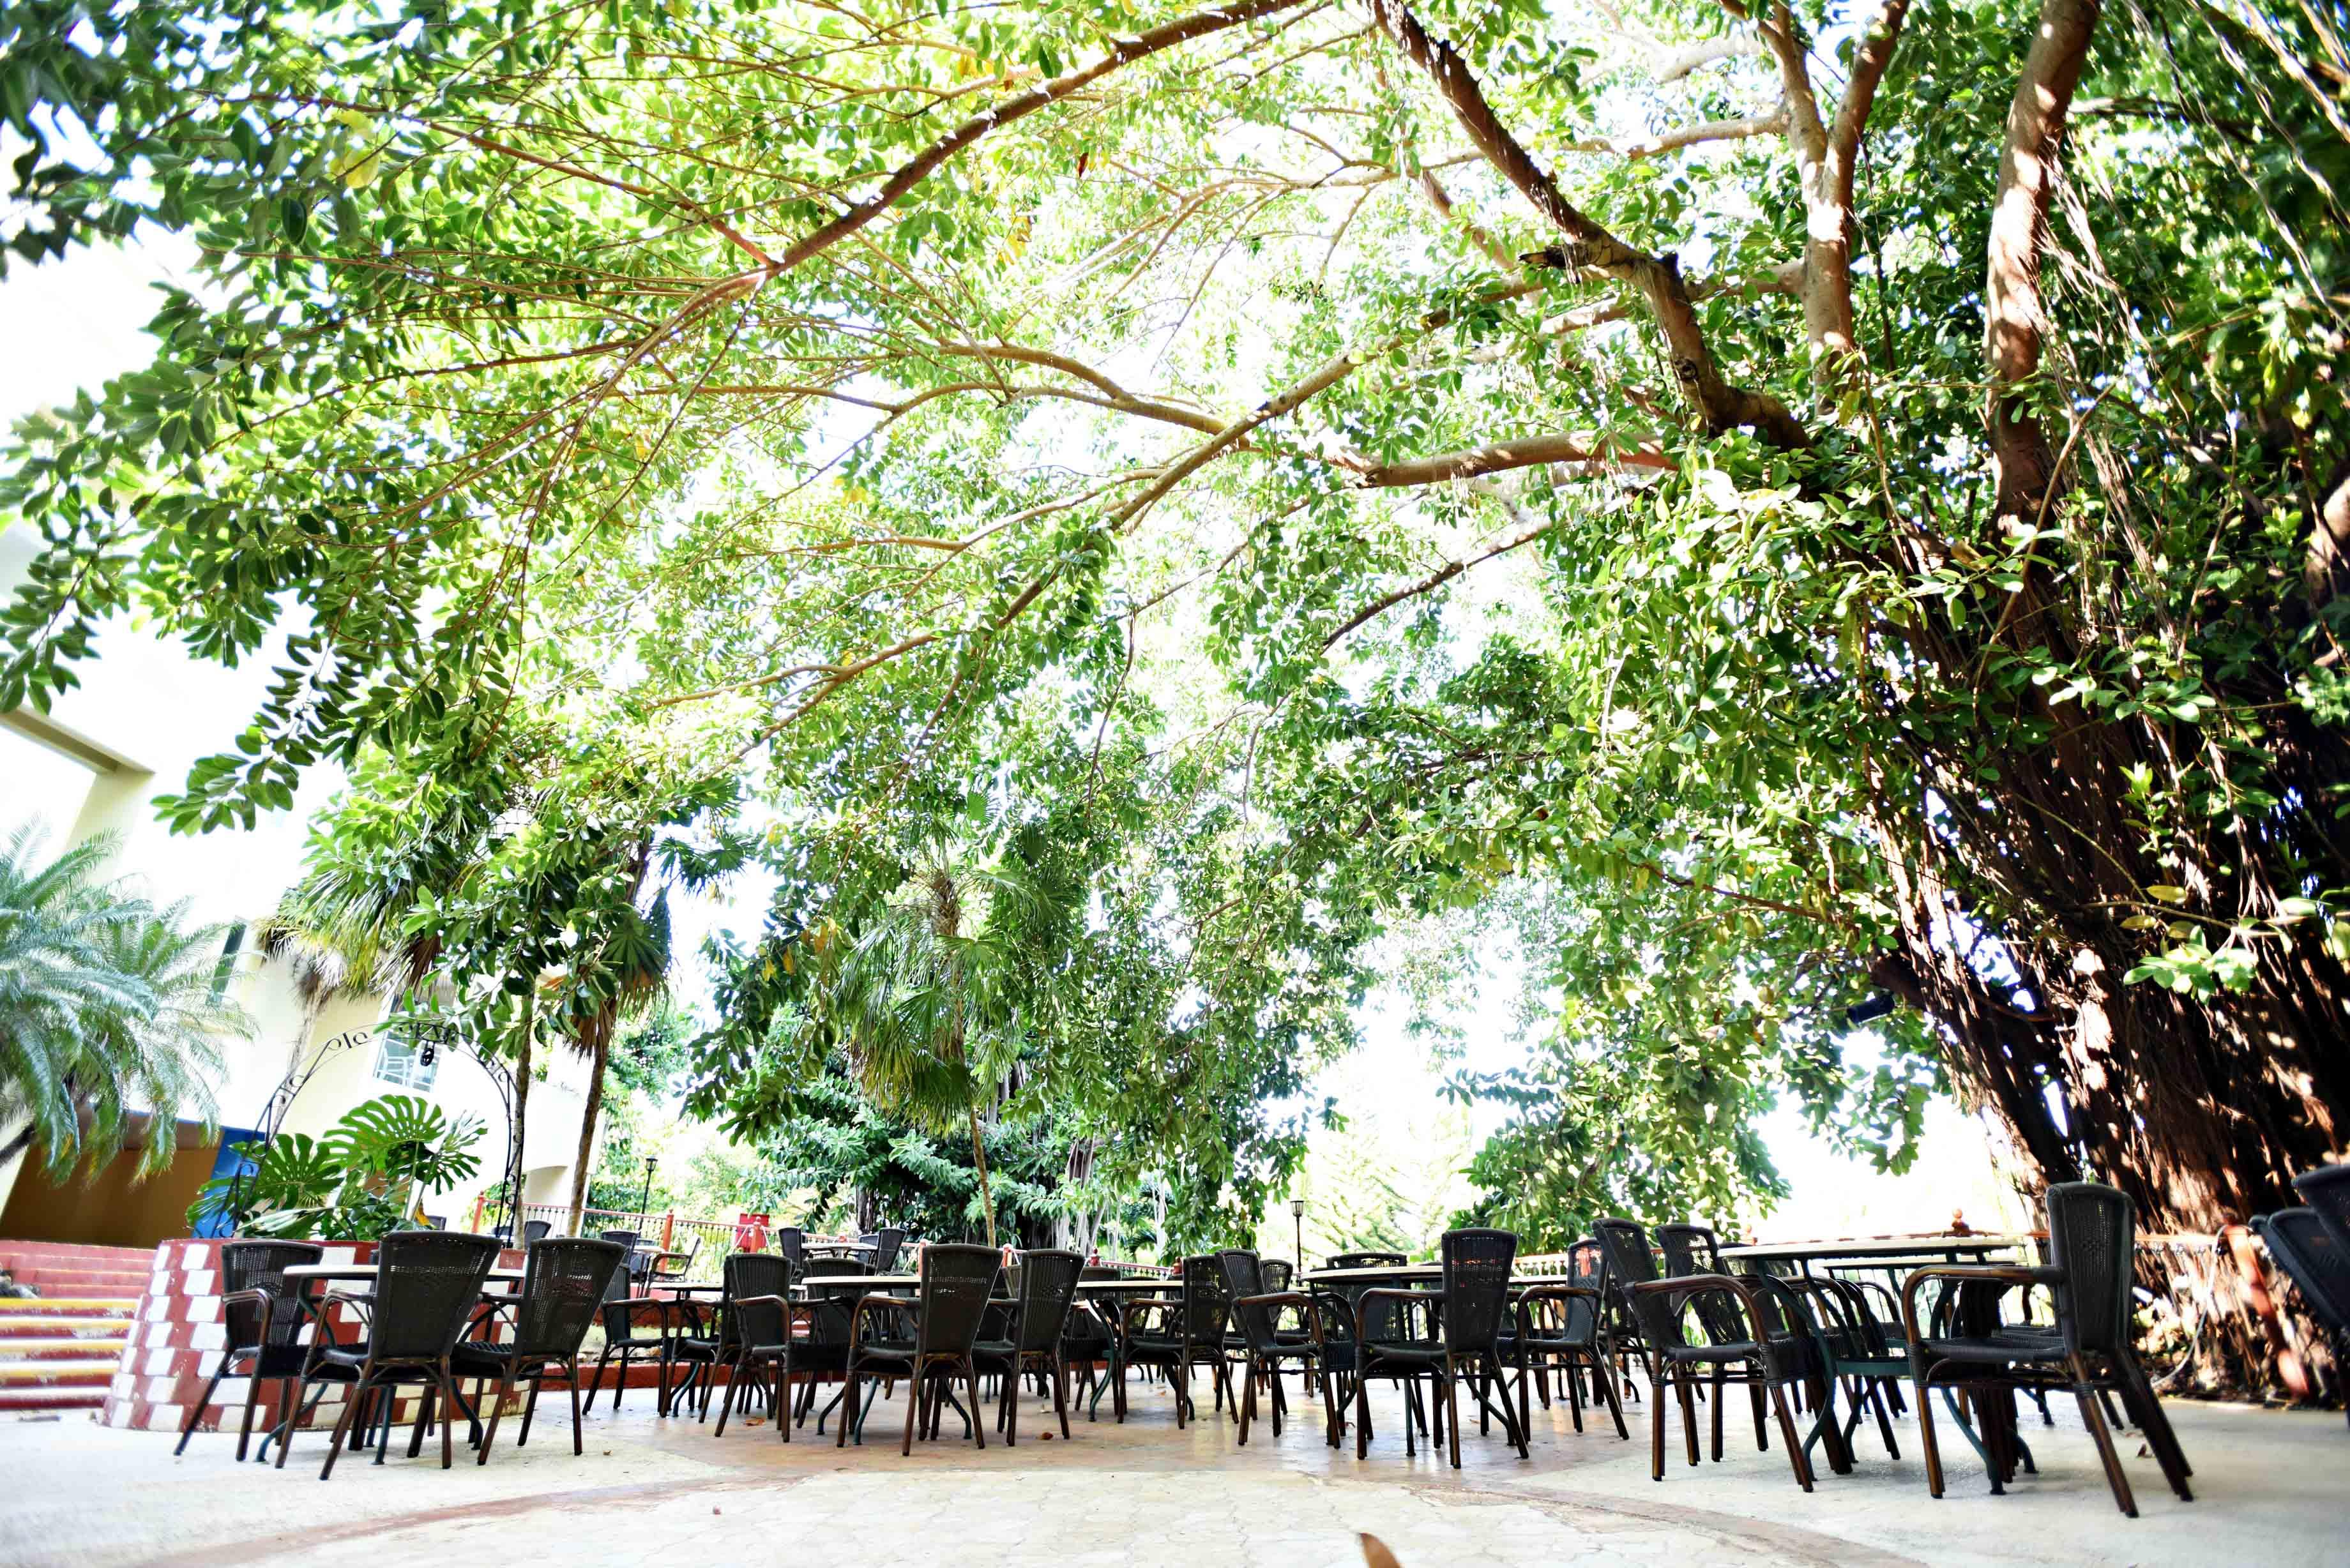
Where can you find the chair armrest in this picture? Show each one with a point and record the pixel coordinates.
(763, 1301)
(1278, 1300)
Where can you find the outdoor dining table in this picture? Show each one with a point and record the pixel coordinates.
(1892, 1256)
(1409, 1274)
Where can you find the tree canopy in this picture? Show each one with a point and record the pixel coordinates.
(1809, 506)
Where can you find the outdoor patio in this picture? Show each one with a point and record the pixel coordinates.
(650, 1488)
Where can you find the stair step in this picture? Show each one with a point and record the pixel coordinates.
(83, 1282)
(62, 1326)
(58, 1373)
(72, 1307)
(57, 1347)
(14, 1400)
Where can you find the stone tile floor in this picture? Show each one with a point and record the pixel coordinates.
(2272, 1488)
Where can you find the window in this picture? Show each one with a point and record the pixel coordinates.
(225, 970)
(410, 1065)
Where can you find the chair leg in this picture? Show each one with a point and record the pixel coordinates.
(1925, 1435)
(1452, 1411)
(2155, 1423)
(448, 1415)
(1362, 1412)
(913, 1402)
(848, 1402)
(1884, 1423)
(196, 1411)
(596, 1387)
(423, 1418)
(1684, 1390)
(1795, 1456)
(529, 1409)
(578, 1441)
(245, 1430)
(335, 1447)
(1762, 1437)
(1614, 1403)
(2093, 1418)
(1719, 1372)
(734, 1383)
(497, 1408)
(1656, 1426)
(1061, 1394)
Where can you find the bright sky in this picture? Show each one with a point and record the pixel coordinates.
(74, 324)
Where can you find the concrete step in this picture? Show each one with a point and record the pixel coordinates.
(29, 1401)
(62, 1326)
(52, 1282)
(70, 1306)
(57, 1347)
(93, 1373)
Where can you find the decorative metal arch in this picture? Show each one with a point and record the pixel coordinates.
(431, 1036)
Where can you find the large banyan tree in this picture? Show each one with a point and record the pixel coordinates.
(1843, 503)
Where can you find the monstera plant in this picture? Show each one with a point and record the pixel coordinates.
(355, 1183)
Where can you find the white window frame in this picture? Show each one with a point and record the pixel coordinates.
(397, 1062)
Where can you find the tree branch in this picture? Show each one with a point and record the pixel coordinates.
(1721, 406)
(2014, 319)
(1527, 451)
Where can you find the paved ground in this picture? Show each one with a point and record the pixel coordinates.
(2270, 1486)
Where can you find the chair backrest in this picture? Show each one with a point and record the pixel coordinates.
(791, 1245)
(1631, 1262)
(2327, 1190)
(1207, 1300)
(427, 1284)
(1244, 1272)
(262, 1266)
(2316, 1258)
(957, 1280)
(1048, 1287)
(535, 1230)
(1476, 1286)
(747, 1276)
(564, 1281)
(624, 1240)
(1691, 1250)
(1277, 1273)
(885, 1242)
(830, 1269)
(1368, 1260)
(2092, 1237)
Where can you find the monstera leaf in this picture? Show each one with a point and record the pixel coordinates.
(403, 1138)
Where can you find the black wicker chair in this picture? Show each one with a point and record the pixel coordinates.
(1174, 1335)
(563, 1282)
(885, 1243)
(1563, 1328)
(635, 1327)
(747, 1276)
(427, 1285)
(830, 1315)
(791, 1245)
(1039, 1319)
(2327, 1190)
(1090, 1340)
(2091, 1248)
(2319, 1266)
(1256, 1312)
(1655, 1303)
(1470, 1313)
(1277, 1272)
(1690, 1252)
(265, 1328)
(947, 1309)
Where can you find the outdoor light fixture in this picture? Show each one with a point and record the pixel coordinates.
(1297, 1219)
(645, 1201)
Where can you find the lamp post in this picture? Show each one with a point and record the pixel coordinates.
(1297, 1219)
(645, 1200)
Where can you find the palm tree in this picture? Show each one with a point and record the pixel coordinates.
(107, 1007)
(926, 1001)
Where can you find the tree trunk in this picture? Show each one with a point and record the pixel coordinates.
(517, 1154)
(599, 1055)
(979, 1156)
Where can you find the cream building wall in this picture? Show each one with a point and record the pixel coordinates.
(144, 713)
